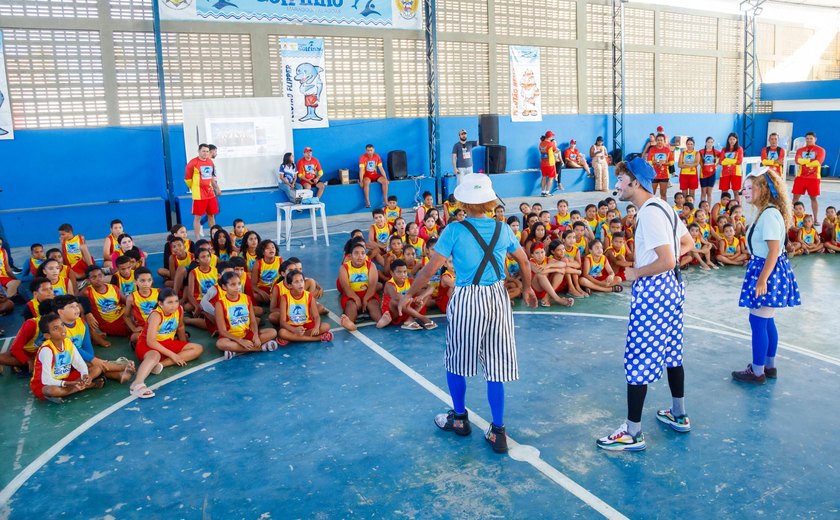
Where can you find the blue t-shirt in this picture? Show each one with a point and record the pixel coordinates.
(457, 241)
(770, 226)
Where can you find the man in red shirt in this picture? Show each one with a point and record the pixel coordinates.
(310, 172)
(810, 159)
(574, 159)
(772, 156)
(200, 179)
(368, 164)
(662, 159)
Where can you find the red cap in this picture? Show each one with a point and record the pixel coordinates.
(572, 142)
(549, 134)
(660, 129)
(307, 149)
(538, 245)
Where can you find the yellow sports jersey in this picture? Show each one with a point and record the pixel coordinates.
(144, 305)
(418, 246)
(168, 324)
(596, 267)
(76, 332)
(358, 276)
(72, 248)
(381, 234)
(392, 214)
(126, 284)
(297, 309)
(237, 314)
(203, 280)
(269, 273)
(106, 304)
(692, 158)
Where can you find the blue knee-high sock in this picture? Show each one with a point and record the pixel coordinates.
(458, 391)
(496, 397)
(773, 342)
(759, 340)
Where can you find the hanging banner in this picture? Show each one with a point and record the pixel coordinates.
(525, 102)
(303, 81)
(6, 127)
(387, 14)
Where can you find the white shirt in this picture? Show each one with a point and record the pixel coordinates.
(654, 229)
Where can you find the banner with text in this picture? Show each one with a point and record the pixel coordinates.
(385, 14)
(302, 61)
(6, 126)
(525, 104)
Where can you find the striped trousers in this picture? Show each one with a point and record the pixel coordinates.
(480, 330)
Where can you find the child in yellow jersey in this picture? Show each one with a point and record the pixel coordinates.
(618, 255)
(567, 279)
(140, 303)
(378, 234)
(201, 279)
(499, 213)
(730, 250)
(179, 257)
(596, 273)
(238, 326)
(413, 239)
(450, 205)
(250, 242)
(513, 222)
(392, 211)
(612, 206)
(571, 255)
(580, 230)
(357, 283)
(395, 252)
(430, 228)
(266, 271)
(107, 306)
(545, 218)
(809, 238)
(124, 278)
(393, 293)
(75, 250)
(428, 204)
(59, 369)
(299, 318)
(563, 218)
(700, 254)
(541, 271)
(162, 343)
(111, 244)
(399, 229)
(238, 237)
(51, 270)
(410, 258)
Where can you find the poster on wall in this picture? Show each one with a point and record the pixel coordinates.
(6, 127)
(381, 14)
(525, 104)
(302, 75)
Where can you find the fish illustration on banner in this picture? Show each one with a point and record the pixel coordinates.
(303, 81)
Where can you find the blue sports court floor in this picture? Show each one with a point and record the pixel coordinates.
(345, 429)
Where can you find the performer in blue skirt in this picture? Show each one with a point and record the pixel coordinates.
(769, 283)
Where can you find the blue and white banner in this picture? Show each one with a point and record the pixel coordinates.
(6, 127)
(385, 14)
(525, 99)
(304, 83)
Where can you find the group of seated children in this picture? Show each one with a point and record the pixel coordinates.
(803, 238)
(216, 285)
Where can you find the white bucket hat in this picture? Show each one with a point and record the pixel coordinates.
(475, 188)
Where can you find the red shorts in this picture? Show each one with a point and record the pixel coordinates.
(442, 300)
(562, 287)
(4, 281)
(730, 182)
(361, 295)
(206, 206)
(372, 176)
(807, 186)
(602, 277)
(310, 101)
(115, 328)
(619, 273)
(79, 267)
(793, 235)
(689, 182)
(396, 319)
(141, 349)
(38, 387)
(21, 354)
(540, 294)
(548, 171)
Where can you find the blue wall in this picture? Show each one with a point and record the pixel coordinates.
(824, 124)
(65, 167)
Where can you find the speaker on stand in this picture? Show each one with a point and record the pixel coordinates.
(488, 129)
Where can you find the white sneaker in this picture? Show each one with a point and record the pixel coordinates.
(269, 346)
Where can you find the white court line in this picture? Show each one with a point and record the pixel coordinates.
(21, 478)
(6, 343)
(539, 464)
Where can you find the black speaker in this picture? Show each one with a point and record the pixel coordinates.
(488, 129)
(495, 157)
(397, 165)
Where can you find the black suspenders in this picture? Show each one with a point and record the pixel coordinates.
(489, 257)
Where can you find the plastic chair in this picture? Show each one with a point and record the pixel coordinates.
(798, 143)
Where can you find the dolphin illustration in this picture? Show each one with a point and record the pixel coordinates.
(370, 8)
(221, 4)
(311, 87)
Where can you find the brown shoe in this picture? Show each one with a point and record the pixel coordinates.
(771, 373)
(747, 376)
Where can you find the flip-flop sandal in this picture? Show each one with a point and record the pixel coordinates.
(327, 336)
(411, 326)
(430, 326)
(545, 304)
(570, 302)
(282, 342)
(98, 383)
(141, 392)
(157, 369)
(617, 289)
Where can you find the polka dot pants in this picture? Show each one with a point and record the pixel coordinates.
(655, 331)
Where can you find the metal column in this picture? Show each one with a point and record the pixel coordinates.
(751, 8)
(618, 75)
(432, 105)
(172, 214)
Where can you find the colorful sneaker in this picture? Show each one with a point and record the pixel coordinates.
(497, 438)
(771, 373)
(747, 376)
(621, 440)
(454, 422)
(678, 424)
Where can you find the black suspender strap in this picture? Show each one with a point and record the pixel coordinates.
(752, 228)
(668, 215)
(489, 257)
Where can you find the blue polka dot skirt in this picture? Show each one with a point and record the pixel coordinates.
(655, 331)
(782, 289)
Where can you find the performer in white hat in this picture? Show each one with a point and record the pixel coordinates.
(480, 318)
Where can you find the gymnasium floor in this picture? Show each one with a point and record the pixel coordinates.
(345, 429)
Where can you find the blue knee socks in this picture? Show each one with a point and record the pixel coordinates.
(773, 339)
(458, 391)
(496, 397)
(760, 342)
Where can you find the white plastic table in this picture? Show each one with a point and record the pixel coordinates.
(284, 210)
(754, 161)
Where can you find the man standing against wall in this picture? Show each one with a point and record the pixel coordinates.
(772, 156)
(462, 155)
(200, 179)
(369, 162)
(809, 158)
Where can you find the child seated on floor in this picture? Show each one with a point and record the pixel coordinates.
(111, 244)
(201, 279)
(541, 271)
(562, 219)
(612, 226)
(563, 282)
(222, 244)
(450, 205)
(124, 277)
(75, 250)
(22, 352)
(597, 275)
(581, 230)
(393, 292)
(238, 236)
(701, 254)
(395, 252)
(413, 239)
(299, 317)
(629, 219)
(106, 304)
(730, 251)
(236, 323)
(357, 280)
(140, 303)
(59, 369)
(179, 257)
(618, 255)
(809, 238)
(571, 255)
(428, 204)
(250, 243)
(377, 239)
(162, 343)
(126, 245)
(719, 209)
(430, 228)
(399, 229)
(51, 270)
(266, 271)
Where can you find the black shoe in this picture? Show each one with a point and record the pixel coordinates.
(17, 270)
(497, 438)
(771, 373)
(454, 422)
